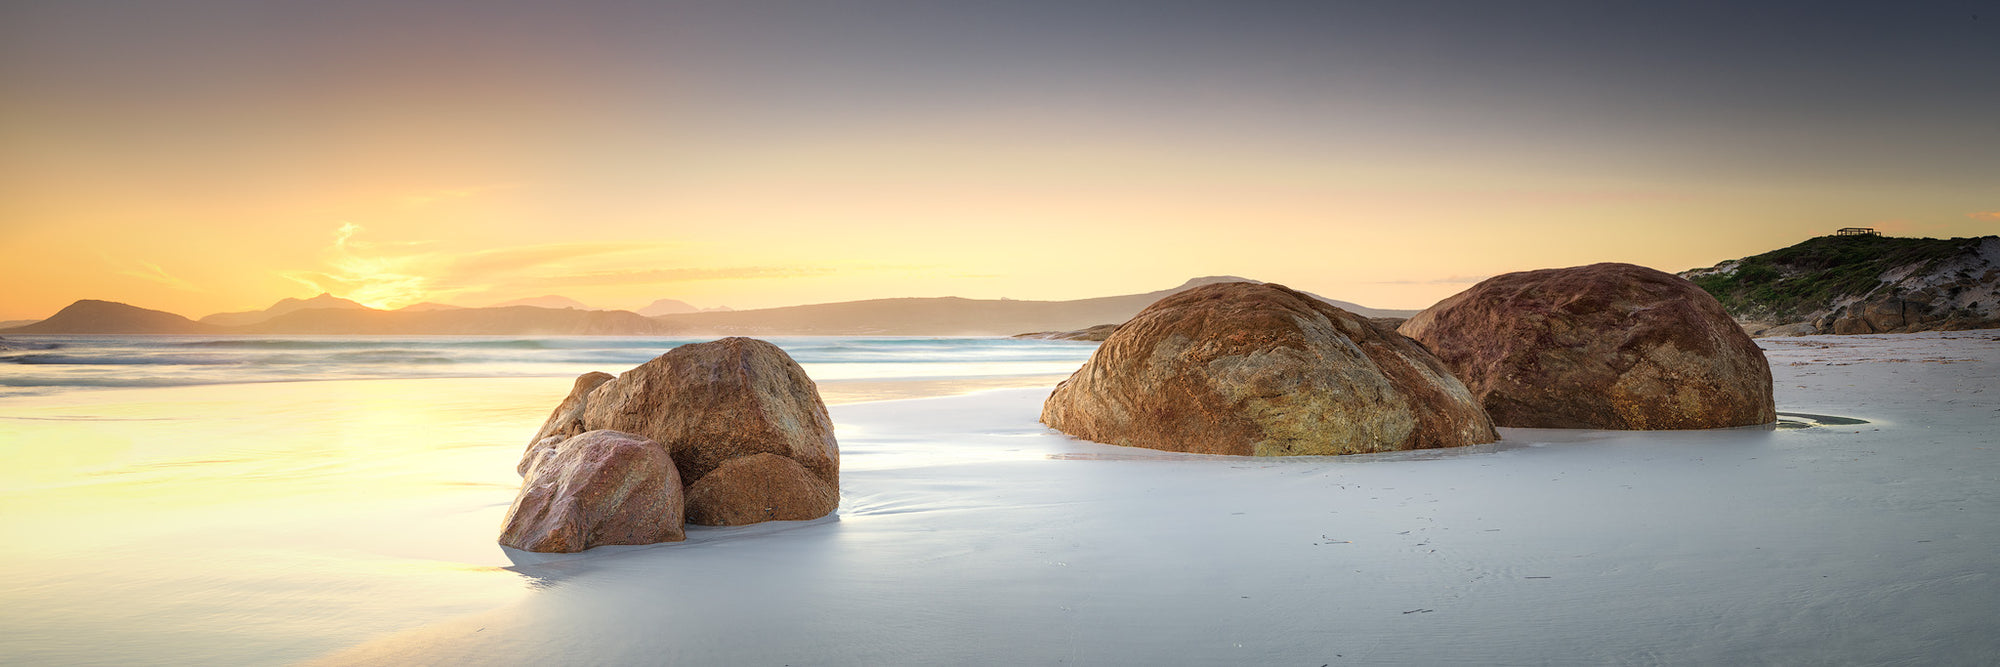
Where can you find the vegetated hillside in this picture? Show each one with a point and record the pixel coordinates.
(945, 316)
(1861, 284)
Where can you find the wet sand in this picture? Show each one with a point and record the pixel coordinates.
(970, 534)
(268, 523)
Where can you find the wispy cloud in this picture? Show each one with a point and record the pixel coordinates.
(393, 274)
(375, 274)
(151, 272)
(657, 276)
(508, 260)
(1989, 216)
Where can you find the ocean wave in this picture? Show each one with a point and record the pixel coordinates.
(138, 361)
(392, 357)
(97, 360)
(50, 382)
(321, 344)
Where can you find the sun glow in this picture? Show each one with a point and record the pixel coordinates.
(766, 154)
(373, 280)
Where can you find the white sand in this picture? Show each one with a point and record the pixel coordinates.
(268, 523)
(970, 534)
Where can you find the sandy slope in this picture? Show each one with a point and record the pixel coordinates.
(969, 534)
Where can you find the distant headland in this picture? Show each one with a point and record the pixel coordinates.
(329, 315)
(1858, 281)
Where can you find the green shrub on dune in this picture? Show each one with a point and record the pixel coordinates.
(1794, 284)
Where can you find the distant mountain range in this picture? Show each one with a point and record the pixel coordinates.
(111, 317)
(945, 316)
(940, 316)
(668, 307)
(283, 307)
(106, 317)
(546, 301)
(1861, 284)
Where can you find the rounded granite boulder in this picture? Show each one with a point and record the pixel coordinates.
(1259, 369)
(596, 488)
(710, 404)
(1606, 346)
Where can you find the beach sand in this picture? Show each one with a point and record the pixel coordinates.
(971, 535)
(968, 533)
(267, 523)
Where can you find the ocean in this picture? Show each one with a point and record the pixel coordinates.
(41, 364)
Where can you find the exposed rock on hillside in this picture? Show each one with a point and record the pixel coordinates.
(1243, 368)
(1611, 346)
(1861, 284)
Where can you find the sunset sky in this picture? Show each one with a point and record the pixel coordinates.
(202, 157)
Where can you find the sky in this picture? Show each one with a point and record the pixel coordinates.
(203, 157)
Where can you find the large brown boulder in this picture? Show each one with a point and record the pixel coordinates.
(597, 488)
(757, 488)
(1245, 368)
(567, 420)
(709, 404)
(1609, 346)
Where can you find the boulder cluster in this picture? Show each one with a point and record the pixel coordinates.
(725, 433)
(1259, 369)
(732, 432)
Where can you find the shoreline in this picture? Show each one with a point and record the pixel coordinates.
(968, 532)
(1754, 544)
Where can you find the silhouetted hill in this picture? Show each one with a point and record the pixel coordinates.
(105, 317)
(945, 316)
(545, 301)
(511, 320)
(283, 306)
(667, 307)
(90, 316)
(421, 307)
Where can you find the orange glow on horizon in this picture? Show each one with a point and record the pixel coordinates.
(749, 158)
